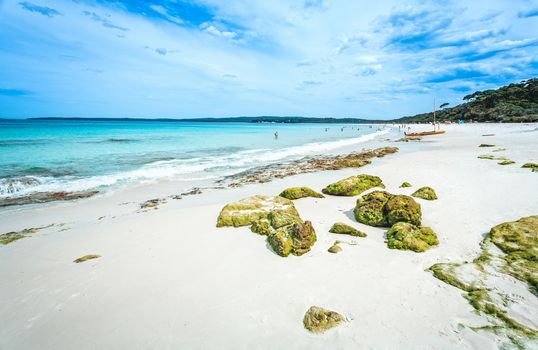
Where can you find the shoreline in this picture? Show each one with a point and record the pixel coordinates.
(199, 286)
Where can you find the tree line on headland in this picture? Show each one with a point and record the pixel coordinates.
(509, 104)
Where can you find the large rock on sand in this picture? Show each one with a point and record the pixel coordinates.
(319, 320)
(381, 208)
(426, 193)
(353, 185)
(406, 236)
(274, 217)
(293, 239)
(300, 192)
(251, 209)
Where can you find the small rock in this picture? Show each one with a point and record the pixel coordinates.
(86, 258)
(319, 320)
(426, 193)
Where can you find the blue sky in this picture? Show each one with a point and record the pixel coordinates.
(197, 58)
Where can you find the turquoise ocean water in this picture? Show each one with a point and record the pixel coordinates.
(78, 155)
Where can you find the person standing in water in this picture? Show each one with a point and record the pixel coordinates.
(276, 135)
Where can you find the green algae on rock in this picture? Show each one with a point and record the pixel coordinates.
(490, 157)
(406, 236)
(335, 248)
(274, 217)
(381, 208)
(486, 145)
(300, 192)
(295, 239)
(353, 185)
(251, 209)
(86, 258)
(341, 228)
(532, 166)
(510, 248)
(319, 320)
(403, 208)
(506, 162)
(405, 184)
(519, 241)
(426, 193)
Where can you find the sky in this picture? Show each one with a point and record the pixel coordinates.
(209, 58)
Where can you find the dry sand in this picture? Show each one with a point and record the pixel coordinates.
(169, 279)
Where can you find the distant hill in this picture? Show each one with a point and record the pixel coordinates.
(262, 119)
(511, 103)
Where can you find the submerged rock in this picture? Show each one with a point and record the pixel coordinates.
(43, 197)
(344, 229)
(353, 185)
(86, 258)
(300, 192)
(426, 193)
(532, 166)
(335, 248)
(319, 320)
(249, 210)
(406, 236)
(381, 208)
(506, 162)
(486, 145)
(405, 184)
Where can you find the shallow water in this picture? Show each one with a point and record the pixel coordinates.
(77, 155)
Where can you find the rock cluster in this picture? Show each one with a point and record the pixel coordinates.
(274, 217)
(306, 165)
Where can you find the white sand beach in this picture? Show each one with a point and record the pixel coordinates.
(170, 279)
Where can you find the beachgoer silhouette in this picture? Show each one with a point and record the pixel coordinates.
(276, 135)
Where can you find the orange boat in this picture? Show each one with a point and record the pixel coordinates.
(425, 133)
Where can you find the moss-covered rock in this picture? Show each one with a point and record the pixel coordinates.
(402, 208)
(519, 241)
(86, 258)
(283, 217)
(486, 145)
(296, 239)
(353, 185)
(319, 320)
(381, 208)
(370, 208)
(506, 162)
(274, 217)
(344, 229)
(249, 210)
(532, 166)
(335, 248)
(281, 242)
(490, 157)
(509, 248)
(262, 227)
(10, 237)
(300, 192)
(426, 193)
(405, 184)
(406, 236)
